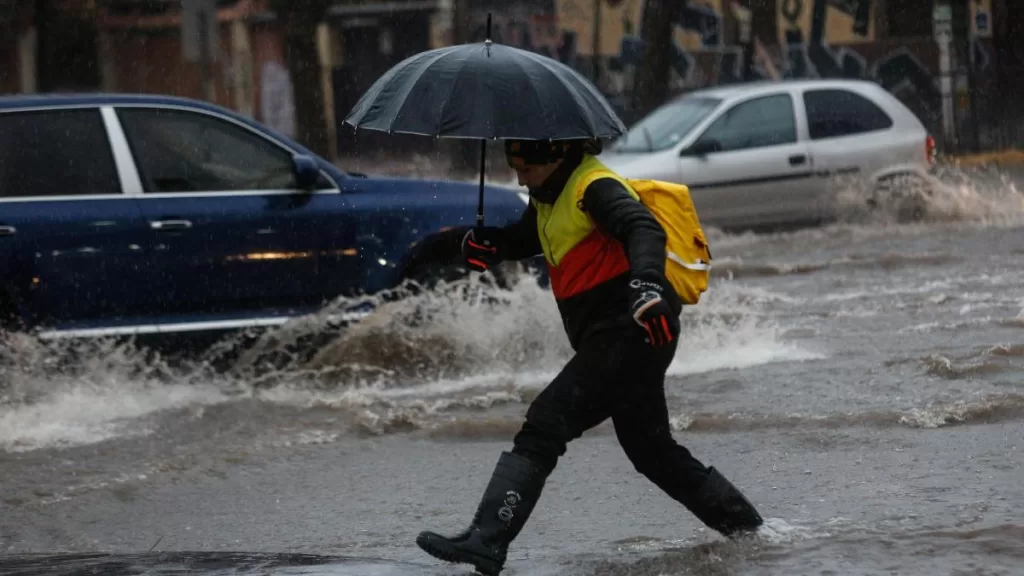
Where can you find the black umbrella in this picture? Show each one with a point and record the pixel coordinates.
(485, 91)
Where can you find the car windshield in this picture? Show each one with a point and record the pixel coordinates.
(667, 125)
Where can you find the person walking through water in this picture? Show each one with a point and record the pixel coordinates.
(606, 258)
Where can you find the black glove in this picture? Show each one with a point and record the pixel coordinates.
(481, 248)
(652, 311)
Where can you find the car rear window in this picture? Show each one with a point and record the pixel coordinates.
(55, 153)
(834, 112)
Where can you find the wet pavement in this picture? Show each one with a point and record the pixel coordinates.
(860, 382)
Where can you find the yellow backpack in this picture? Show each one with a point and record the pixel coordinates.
(688, 256)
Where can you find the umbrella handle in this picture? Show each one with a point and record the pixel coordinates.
(480, 200)
(483, 151)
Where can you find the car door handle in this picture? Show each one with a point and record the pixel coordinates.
(797, 159)
(8, 230)
(170, 224)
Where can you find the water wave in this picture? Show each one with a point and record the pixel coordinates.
(993, 408)
(950, 194)
(454, 424)
(983, 361)
(960, 200)
(735, 267)
(419, 363)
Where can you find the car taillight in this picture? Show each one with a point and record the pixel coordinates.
(929, 149)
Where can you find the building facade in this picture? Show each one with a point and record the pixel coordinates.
(136, 46)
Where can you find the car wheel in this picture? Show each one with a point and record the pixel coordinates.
(904, 197)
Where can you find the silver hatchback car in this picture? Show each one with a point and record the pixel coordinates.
(777, 154)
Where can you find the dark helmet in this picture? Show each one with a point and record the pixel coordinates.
(534, 152)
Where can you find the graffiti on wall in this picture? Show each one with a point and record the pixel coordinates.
(827, 39)
(568, 27)
(539, 33)
(698, 30)
(815, 39)
(810, 30)
(578, 32)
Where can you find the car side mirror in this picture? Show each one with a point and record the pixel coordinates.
(307, 172)
(702, 148)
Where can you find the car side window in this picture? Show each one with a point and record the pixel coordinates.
(764, 121)
(56, 153)
(181, 151)
(833, 113)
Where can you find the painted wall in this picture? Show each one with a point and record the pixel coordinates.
(815, 38)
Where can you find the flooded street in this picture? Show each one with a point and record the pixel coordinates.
(861, 383)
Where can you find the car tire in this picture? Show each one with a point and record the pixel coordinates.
(902, 196)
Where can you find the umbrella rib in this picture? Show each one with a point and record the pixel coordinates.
(408, 86)
(542, 61)
(366, 102)
(533, 87)
(549, 65)
(447, 101)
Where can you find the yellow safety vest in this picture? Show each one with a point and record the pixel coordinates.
(579, 256)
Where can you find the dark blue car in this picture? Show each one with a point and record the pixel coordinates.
(133, 214)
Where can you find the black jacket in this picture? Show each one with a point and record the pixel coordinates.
(617, 213)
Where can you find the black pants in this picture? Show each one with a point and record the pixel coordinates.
(614, 374)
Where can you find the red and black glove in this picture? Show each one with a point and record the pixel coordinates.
(652, 311)
(481, 248)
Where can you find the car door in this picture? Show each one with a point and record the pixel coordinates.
(236, 237)
(852, 137)
(70, 240)
(749, 167)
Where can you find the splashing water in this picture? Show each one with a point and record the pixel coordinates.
(417, 360)
(411, 363)
(950, 197)
(64, 394)
(950, 194)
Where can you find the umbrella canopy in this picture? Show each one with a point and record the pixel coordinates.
(485, 91)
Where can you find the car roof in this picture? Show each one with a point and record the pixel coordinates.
(98, 99)
(745, 89)
(59, 100)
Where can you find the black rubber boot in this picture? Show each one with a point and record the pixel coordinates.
(722, 507)
(507, 502)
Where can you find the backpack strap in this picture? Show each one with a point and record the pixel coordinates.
(593, 176)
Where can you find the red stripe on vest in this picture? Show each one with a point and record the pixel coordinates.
(594, 260)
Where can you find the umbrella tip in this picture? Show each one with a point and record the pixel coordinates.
(488, 27)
